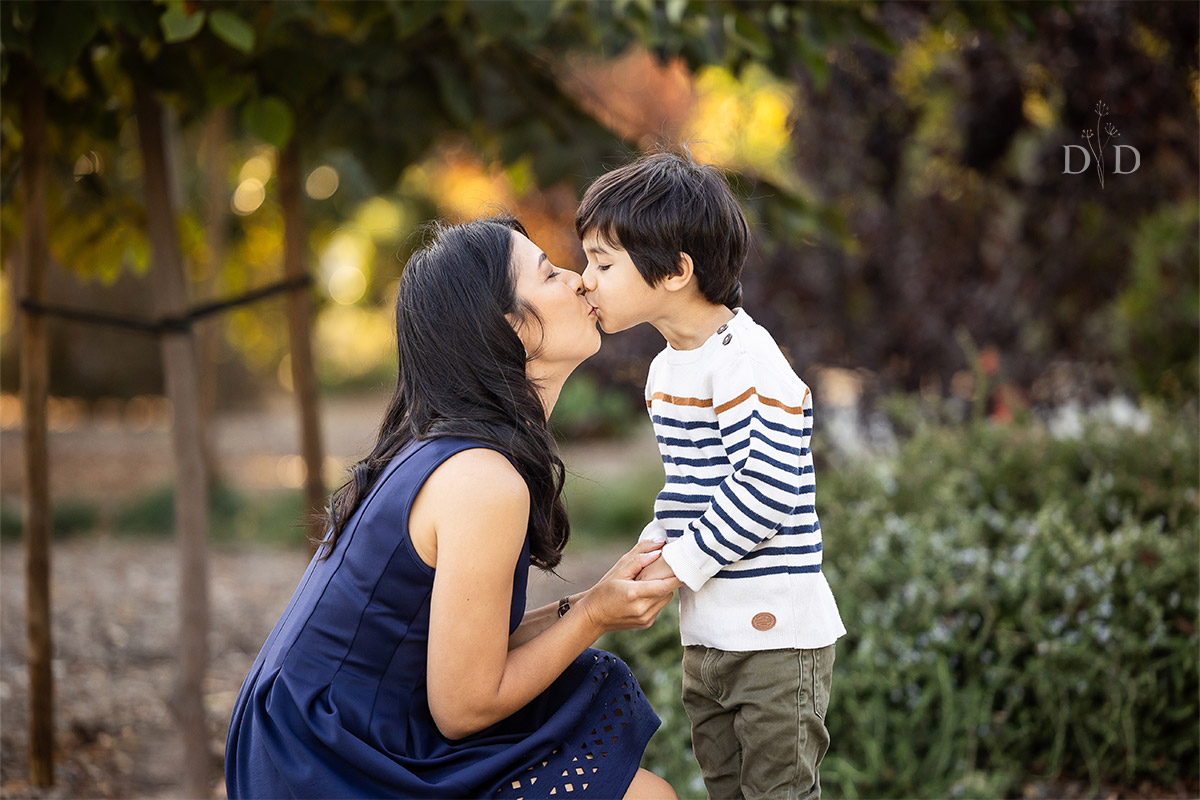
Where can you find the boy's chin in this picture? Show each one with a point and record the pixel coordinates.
(604, 327)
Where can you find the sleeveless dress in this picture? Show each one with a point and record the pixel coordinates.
(335, 704)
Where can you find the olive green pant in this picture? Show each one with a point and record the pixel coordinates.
(758, 720)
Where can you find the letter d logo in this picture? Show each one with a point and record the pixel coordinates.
(1087, 159)
(1137, 158)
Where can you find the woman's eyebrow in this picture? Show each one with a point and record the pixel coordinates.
(542, 259)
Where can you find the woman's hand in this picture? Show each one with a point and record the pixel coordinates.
(619, 601)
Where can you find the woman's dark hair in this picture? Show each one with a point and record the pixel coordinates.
(462, 373)
(665, 204)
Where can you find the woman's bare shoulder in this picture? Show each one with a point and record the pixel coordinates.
(479, 478)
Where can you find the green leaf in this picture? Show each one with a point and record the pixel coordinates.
(410, 17)
(223, 89)
(232, 29)
(57, 38)
(178, 25)
(675, 11)
(269, 119)
(744, 33)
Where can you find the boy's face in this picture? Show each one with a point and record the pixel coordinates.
(616, 289)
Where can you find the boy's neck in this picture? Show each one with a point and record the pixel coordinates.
(688, 325)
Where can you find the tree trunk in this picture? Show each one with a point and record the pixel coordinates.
(35, 376)
(208, 331)
(304, 375)
(191, 490)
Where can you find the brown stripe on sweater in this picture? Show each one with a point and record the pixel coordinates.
(679, 401)
(766, 401)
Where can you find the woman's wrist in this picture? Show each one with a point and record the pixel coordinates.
(581, 609)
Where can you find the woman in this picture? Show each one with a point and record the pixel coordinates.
(404, 665)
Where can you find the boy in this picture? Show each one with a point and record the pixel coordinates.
(665, 241)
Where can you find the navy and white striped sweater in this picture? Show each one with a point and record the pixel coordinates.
(734, 424)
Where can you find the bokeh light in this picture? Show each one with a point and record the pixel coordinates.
(347, 285)
(322, 182)
(248, 196)
(260, 167)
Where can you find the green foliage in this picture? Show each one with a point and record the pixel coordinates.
(1154, 317)
(1019, 608)
(232, 30)
(154, 512)
(586, 409)
(67, 517)
(271, 518)
(178, 25)
(612, 510)
(270, 119)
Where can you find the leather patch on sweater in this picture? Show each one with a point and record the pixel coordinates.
(763, 621)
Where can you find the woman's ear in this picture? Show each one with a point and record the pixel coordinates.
(682, 278)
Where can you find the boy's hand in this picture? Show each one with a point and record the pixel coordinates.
(656, 570)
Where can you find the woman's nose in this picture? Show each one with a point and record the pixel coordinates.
(574, 280)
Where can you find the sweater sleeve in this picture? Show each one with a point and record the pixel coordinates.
(765, 428)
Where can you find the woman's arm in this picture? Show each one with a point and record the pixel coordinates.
(474, 678)
(537, 620)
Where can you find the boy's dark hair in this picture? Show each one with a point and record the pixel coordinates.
(665, 204)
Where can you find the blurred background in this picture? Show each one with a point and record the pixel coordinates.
(998, 312)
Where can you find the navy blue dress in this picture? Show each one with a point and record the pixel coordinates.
(335, 704)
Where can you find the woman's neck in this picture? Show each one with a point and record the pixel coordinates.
(547, 382)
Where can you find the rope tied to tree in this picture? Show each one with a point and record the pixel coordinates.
(181, 324)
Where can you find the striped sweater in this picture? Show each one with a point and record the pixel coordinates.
(733, 423)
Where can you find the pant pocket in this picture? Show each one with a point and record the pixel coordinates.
(822, 679)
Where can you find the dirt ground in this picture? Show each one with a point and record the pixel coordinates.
(115, 627)
(114, 597)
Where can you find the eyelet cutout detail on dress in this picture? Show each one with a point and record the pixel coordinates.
(571, 769)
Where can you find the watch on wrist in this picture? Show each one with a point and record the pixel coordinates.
(564, 605)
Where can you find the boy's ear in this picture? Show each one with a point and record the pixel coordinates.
(673, 283)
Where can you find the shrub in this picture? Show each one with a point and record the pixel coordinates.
(587, 409)
(612, 510)
(67, 517)
(268, 517)
(1020, 607)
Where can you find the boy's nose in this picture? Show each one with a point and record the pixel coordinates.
(589, 280)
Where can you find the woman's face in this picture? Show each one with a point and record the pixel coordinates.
(568, 333)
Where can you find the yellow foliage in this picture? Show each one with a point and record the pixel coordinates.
(916, 63)
(1037, 110)
(351, 341)
(743, 123)
(462, 187)
(382, 219)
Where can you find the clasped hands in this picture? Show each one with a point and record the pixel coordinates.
(633, 592)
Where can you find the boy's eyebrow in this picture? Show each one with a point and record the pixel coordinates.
(597, 249)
